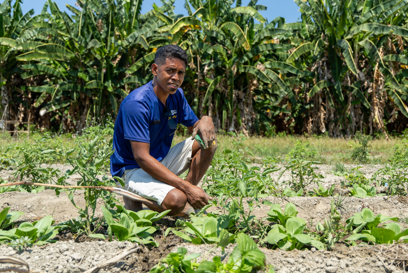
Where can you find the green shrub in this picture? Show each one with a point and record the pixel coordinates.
(303, 151)
(361, 150)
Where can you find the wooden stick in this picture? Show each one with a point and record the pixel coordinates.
(116, 190)
(113, 260)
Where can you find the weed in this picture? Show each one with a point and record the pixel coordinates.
(302, 150)
(302, 174)
(395, 173)
(361, 150)
(32, 167)
(340, 169)
(338, 202)
(355, 177)
(331, 231)
(230, 171)
(21, 244)
(89, 164)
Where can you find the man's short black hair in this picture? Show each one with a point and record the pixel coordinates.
(170, 51)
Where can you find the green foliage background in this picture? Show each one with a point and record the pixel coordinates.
(340, 70)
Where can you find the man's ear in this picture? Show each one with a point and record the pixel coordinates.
(155, 68)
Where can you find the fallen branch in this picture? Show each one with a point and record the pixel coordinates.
(116, 190)
(113, 260)
(16, 261)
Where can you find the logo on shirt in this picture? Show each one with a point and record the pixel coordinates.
(173, 112)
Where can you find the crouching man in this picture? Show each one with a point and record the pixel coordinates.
(144, 131)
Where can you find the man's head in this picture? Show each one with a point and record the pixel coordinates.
(169, 67)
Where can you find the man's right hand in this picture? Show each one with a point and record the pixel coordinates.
(197, 197)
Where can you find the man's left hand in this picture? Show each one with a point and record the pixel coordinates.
(205, 129)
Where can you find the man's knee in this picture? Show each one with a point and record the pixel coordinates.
(175, 200)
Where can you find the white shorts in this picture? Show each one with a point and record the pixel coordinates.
(177, 161)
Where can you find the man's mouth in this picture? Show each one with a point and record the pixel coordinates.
(173, 86)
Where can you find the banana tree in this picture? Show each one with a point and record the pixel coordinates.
(227, 59)
(12, 21)
(91, 58)
(341, 35)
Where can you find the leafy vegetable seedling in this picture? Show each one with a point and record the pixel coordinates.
(276, 215)
(132, 226)
(291, 235)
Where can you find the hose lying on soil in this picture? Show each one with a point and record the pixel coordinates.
(16, 261)
(116, 190)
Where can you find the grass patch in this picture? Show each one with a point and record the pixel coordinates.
(328, 150)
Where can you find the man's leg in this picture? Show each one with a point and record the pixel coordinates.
(176, 200)
(200, 162)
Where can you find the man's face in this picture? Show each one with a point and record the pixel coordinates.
(170, 75)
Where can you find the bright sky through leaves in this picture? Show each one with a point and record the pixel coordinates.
(283, 8)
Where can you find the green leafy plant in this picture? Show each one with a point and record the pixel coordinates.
(368, 228)
(332, 231)
(21, 244)
(395, 174)
(7, 160)
(6, 189)
(39, 233)
(7, 218)
(302, 173)
(361, 150)
(231, 170)
(291, 236)
(363, 191)
(340, 169)
(355, 177)
(276, 214)
(131, 226)
(303, 151)
(89, 164)
(246, 257)
(205, 230)
(288, 192)
(323, 192)
(32, 166)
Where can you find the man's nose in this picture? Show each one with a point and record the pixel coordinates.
(176, 77)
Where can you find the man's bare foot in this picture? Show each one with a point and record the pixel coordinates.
(188, 209)
(132, 205)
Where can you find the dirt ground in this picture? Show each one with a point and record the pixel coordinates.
(68, 255)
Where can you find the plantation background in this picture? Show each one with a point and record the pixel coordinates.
(340, 70)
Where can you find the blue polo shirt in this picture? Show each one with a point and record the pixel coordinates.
(141, 118)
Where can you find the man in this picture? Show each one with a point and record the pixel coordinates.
(143, 134)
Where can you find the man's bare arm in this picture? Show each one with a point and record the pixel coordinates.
(205, 129)
(141, 152)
